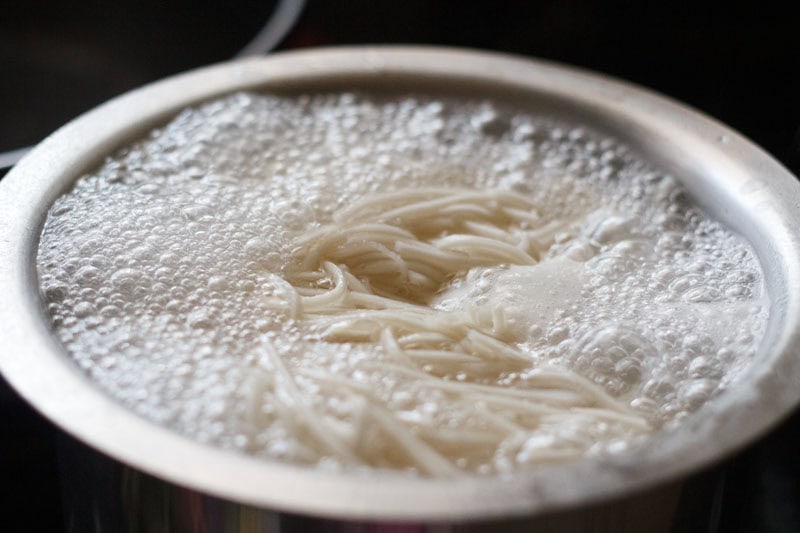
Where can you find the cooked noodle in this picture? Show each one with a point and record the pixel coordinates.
(369, 277)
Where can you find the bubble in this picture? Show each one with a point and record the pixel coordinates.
(126, 279)
(55, 291)
(557, 334)
(217, 283)
(613, 228)
(696, 392)
(87, 275)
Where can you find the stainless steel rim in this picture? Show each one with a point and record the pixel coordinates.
(733, 178)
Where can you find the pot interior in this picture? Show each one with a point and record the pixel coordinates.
(733, 180)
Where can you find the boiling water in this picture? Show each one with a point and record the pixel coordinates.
(161, 271)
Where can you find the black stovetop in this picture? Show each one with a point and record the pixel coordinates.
(737, 64)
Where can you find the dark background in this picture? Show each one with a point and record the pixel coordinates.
(736, 63)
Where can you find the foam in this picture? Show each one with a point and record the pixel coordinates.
(161, 270)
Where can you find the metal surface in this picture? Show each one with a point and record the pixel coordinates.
(736, 181)
(101, 495)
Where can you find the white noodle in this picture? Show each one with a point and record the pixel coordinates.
(384, 258)
(425, 457)
(315, 424)
(484, 248)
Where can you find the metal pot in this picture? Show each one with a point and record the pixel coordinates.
(730, 177)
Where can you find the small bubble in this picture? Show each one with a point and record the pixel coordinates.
(83, 309)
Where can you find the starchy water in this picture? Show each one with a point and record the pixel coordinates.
(164, 273)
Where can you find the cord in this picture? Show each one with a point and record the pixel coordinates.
(282, 20)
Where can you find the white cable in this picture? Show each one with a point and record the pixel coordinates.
(275, 30)
(283, 19)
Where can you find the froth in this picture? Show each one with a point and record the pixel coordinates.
(161, 269)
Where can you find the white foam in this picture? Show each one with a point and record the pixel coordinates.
(159, 268)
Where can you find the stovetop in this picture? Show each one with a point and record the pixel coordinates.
(737, 64)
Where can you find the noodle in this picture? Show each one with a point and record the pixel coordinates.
(376, 268)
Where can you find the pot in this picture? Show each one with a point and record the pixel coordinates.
(735, 181)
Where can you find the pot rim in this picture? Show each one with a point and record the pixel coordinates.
(730, 176)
